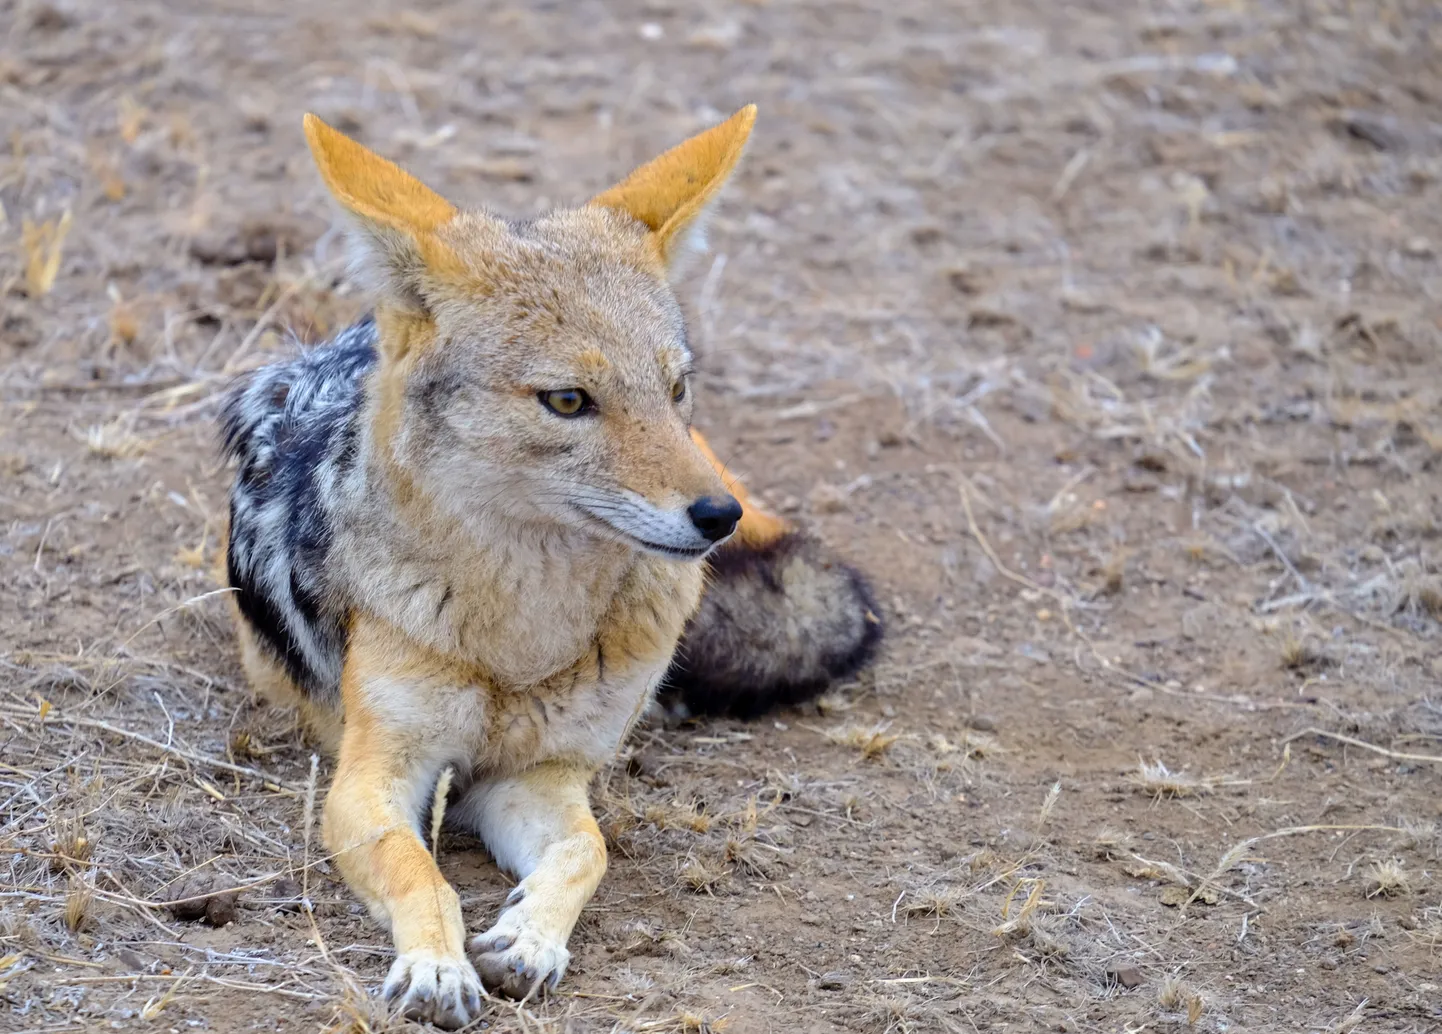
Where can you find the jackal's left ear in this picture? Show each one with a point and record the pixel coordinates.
(396, 215)
(670, 194)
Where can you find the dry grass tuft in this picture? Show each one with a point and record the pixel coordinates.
(746, 856)
(687, 1022)
(1418, 592)
(71, 845)
(873, 742)
(43, 243)
(701, 876)
(1294, 651)
(1175, 996)
(679, 814)
(1111, 844)
(833, 703)
(78, 897)
(124, 322)
(1388, 879)
(1048, 804)
(899, 1014)
(1047, 936)
(115, 440)
(1428, 929)
(1351, 1021)
(1020, 922)
(973, 745)
(357, 1012)
(1300, 653)
(935, 901)
(1418, 833)
(1159, 782)
(1114, 572)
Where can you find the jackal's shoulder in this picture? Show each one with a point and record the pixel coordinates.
(283, 407)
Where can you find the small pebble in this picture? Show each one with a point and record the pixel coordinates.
(205, 895)
(1125, 975)
(1417, 247)
(835, 981)
(286, 893)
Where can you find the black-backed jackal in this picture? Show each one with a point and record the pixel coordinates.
(476, 532)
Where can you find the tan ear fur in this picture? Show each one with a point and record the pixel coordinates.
(668, 194)
(372, 187)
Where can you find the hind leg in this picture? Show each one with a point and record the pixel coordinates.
(268, 677)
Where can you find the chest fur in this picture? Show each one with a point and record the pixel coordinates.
(459, 709)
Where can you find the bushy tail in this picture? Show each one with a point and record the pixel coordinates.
(782, 617)
(778, 623)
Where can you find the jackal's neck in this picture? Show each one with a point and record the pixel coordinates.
(519, 601)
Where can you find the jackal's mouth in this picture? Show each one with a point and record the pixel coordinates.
(674, 551)
(617, 528)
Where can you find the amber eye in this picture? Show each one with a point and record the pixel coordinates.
(566, 402)
(678, 391)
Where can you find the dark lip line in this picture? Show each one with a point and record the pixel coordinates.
(675, 551)
(671, 551)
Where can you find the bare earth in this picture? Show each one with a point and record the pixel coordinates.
(1105, 336)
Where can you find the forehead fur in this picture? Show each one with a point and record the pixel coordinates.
(581, 284)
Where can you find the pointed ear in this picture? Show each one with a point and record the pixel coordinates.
(669, 194)
(396, 215)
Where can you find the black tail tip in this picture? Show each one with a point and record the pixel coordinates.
(776, 626)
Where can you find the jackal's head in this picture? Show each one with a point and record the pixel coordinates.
(538, 371)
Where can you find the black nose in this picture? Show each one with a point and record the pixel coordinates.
(715, 516)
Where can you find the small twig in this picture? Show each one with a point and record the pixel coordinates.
(44, 535)
(1301, 580)
(1002, 569)
(182, 605)
(127, 898)
(307, 825)
(953, 981)
(63, 961)
(169, 721)
(1186, 877)
(438, 809)
(1069, 174)
(54, 718)
(177, 977)
(1352, 741)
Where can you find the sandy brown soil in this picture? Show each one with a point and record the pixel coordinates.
(1105, 336)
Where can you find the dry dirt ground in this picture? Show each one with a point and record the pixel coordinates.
(1104, 335)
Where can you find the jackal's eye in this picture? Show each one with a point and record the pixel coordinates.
(566, 402)
(678, 391)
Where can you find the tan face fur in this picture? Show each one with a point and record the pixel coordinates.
(479, 319)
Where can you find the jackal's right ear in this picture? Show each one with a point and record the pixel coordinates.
(396, 215)
(670, 194)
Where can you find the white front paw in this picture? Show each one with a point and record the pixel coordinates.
(434, 988)
(516, 958)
